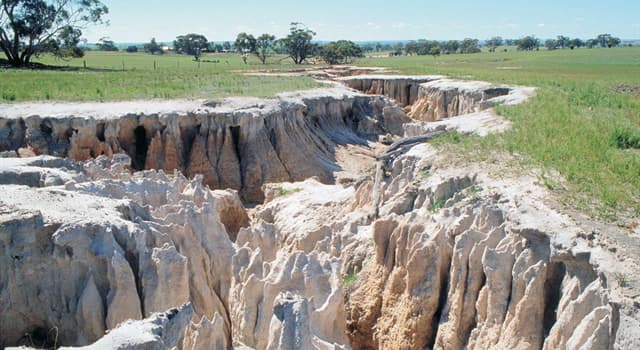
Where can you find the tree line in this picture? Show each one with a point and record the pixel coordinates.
(297, 45)
(29, 28)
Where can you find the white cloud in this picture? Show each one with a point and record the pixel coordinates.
(399, 25)
(540, 25)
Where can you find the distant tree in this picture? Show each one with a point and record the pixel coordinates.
(216, 47)
(451, 46)
(30, 28)
(279, 48)
(226, 46)
(245, 44)
(264, 47)
(367, 47)
(340, 52)
(132, 49)
(152, 47)
(562, 42)
(551, 44)
(613, 42)
(469, 45)
(494, 43)
(528, 43)
(603, 39)
(397, 49)
(411, 48)
(191, 44)
(576, 43)
(298, 43)
(424, 46)
(591, 43)
(510, 42)
(434, 51)
(106, 45)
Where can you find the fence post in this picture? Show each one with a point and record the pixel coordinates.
(154, 65)
(84, 63)
(123, 65)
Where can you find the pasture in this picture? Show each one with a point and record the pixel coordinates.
(124, 76)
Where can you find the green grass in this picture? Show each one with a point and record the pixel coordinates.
(350, 279)
(283, 191)
(577, 124)
(175, 76)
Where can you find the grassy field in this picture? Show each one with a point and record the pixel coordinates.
(578, 124)
(174, 76)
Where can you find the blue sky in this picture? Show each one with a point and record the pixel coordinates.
(358, 20)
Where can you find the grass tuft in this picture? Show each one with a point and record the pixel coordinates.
(350, 279)
(626, 138)
(282, 191)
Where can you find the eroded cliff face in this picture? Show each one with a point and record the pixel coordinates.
(238, 143)
(101, 250)
(415, 253)
(434, 98)
(459, 267)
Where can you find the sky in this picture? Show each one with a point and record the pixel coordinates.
(372, 20)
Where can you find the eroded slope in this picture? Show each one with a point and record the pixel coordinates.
(415, 253)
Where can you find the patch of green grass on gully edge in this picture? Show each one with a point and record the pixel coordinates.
(576, 124)
(174, 76)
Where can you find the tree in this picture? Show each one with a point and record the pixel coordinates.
(469, 45)
(424, 46)
(298, 43)
(132, 49)
(613, 41)
(152, 47)
(245, 44)
(603, 39)
(411, 48)
(30, 28)
(528, 43)
(106, 45)
(216, 47)
(191, 44)
(397, 49)
(563, 42)
(435, 51)
(494, 43)
(591, 43)
(340, 52)
(576, 43)
(451, 46)
(264, 47)
(551, 44)
(226, 46)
